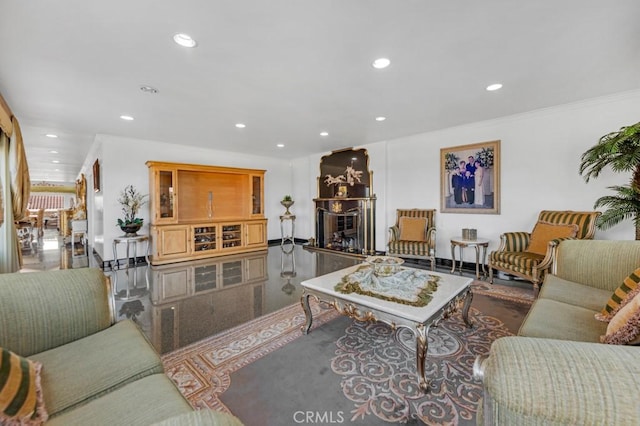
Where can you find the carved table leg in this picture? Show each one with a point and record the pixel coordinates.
(465, 309)
(422, 346)
(304, 301)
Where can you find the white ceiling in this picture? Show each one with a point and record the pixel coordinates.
(290, 69)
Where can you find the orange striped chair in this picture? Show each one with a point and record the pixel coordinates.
(529, 255)
(414, 235)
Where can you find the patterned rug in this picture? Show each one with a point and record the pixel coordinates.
(504, 292)
(375, 367)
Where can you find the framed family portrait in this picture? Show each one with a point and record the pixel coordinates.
(470, 178)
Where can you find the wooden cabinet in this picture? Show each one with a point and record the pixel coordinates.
(193, 300)
(205, 211)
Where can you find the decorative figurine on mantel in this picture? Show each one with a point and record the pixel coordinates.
(287, 202)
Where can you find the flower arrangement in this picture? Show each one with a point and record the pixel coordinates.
(131, 201)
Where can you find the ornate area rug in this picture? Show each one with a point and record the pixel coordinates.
(504, 292)
(202, 369)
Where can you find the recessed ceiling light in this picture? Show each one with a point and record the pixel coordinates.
(381, 63)
(126, 117)
(493, 87)
(241, 125)
(51, 135)
(148, 89)
(280, 145)
(56, 170)
(324, 133)
(381, 118)
(53, 152)
(184, 40)
(55, 161)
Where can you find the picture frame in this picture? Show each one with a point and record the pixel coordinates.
(96, 176)
(459, 190)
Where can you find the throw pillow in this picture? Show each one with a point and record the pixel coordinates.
(21, 399)
(412, 228)
(624, 327)
(544, 232)
(621, 296)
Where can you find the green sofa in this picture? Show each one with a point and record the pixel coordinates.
(94, 370)
(555, 372)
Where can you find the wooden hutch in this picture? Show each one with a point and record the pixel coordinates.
(202, 211)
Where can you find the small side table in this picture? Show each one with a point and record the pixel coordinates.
(477, 244)
(286, 237)
(130, 241)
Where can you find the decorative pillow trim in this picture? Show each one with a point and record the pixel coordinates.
(29, 382)
(619, 297)
(625, 334)
(605, 316)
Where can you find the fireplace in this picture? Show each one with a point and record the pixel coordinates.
(345, 210)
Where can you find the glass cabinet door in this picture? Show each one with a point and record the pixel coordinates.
(166, 198)
(256, 195)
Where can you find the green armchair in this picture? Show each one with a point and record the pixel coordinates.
(516, 255)
(414, 235)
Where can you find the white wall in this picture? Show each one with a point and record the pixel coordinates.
(123, 161)
(540, 155)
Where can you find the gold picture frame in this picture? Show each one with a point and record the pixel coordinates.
(96, 176)
(460, 190)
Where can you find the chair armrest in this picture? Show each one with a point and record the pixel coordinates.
(514, 241)
(43, 310)
(545, 381)
(550, 256)
(394, 233)
(431, 239)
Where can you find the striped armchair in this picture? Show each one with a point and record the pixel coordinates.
(514, 258)
(414, 235)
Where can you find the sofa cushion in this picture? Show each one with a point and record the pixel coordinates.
(624, 327)
(556, 320)
(621, 296)
(200, 418)
(412, 228)
(561, 290)
(544, 232)
(143, 402)
(21, 399)
(87, 368)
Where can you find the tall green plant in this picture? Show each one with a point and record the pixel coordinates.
(621, 151)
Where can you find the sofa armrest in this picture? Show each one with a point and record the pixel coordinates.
(514, 241)
(545, 381)
(602, 264)
(43, 310)
(394, 233)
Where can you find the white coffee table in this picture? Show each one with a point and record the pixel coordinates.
(452, 290)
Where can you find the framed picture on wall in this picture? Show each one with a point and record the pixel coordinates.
(470, 178)
(96, 176)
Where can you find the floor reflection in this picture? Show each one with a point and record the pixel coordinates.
(181, 303)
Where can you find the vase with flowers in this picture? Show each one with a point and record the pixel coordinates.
(131, 201)
(287, 202)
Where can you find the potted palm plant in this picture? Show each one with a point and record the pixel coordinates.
(131, 201)
(621, 151)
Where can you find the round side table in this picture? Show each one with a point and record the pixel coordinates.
(286, 237)
(476, 244)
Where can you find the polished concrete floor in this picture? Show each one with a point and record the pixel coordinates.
(180, 303)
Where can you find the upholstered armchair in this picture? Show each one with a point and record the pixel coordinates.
(529, 255)
(414, 235)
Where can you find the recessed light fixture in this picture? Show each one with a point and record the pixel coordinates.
(51, 135)
(324, 133)
(184, 40)
(381, 118)
(55, 161)
(493, 87)
(280, 145)
(53, 152)
(149, 89)
(126, 117)
(381, 63)
(56, 170)
(241, 125)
